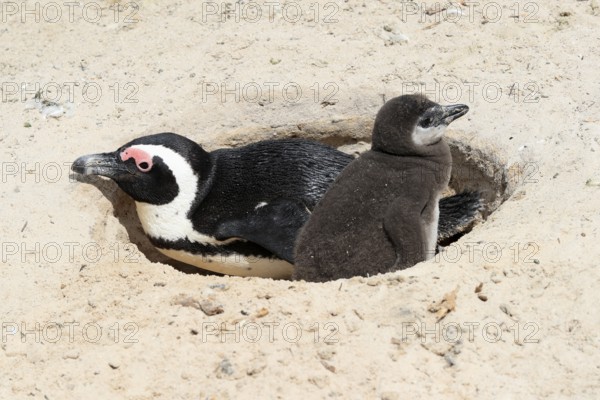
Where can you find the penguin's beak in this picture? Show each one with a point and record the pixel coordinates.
(452, 112)
(104, 164)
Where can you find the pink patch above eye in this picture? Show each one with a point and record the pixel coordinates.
(142, 159)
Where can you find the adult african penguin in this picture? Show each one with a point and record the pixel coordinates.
(233, 211)
(381, 214)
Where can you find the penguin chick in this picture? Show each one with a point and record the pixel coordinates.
(381, 214)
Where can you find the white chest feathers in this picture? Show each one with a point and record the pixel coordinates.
(431, 233)
(235, 264)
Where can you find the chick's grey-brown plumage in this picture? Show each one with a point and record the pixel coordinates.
(381, 213)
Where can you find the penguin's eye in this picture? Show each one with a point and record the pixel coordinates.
(144, 166)
(426, 122)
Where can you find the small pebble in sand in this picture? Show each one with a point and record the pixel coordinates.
(255, 368)
(328, 366)
(209, 308)
(71, 354)
(392, 35)
(262, 312)
(495, 278)
(219, 286)
(224, 368)
(592, 182)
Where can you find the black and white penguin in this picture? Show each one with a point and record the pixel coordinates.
(381, 214)
(233, 211)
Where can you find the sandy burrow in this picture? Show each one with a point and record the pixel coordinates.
(423, 331)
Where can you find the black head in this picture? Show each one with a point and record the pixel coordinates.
(150, 168)
(413, 125)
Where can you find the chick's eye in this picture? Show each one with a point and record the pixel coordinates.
(426, 122)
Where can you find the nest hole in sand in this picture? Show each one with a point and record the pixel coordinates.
(477, 166)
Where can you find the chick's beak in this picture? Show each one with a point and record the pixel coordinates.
(452, 112)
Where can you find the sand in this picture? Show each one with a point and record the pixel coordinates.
(89, 310)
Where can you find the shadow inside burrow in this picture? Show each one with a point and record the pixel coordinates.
(124, 210)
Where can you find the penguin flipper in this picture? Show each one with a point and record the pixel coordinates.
(273, 226)
(404, 229)
(457, 212)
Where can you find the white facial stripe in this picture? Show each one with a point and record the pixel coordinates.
(169, 221)
(425, 136)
